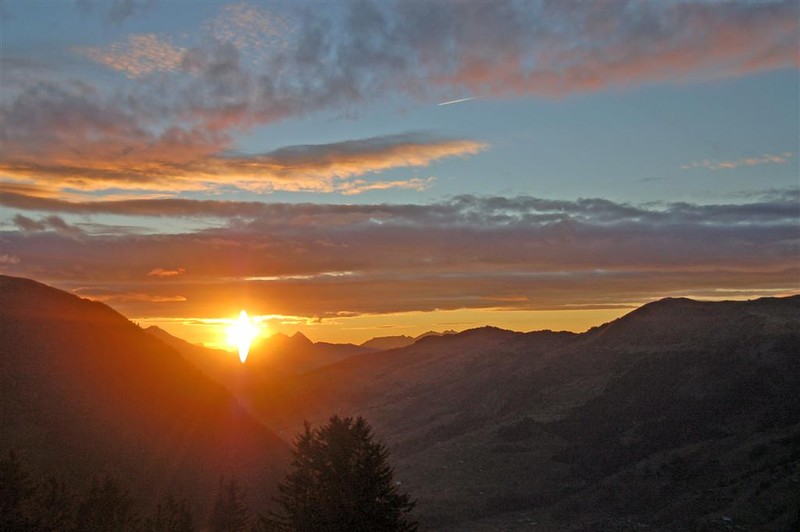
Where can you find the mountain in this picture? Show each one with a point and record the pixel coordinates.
(289, 355)
(85, 391)
(383, 343)
(681, 415)
(277, 356)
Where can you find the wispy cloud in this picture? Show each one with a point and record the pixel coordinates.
(249, 27)
(359, 186)
(712, 164)
(161, 272)
(115, 11)
(249, 66)
(117, 297)
(321, 167)
(138, 56)
(5, 258)
(49, 223)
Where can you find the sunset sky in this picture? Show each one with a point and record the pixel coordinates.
(359, 169)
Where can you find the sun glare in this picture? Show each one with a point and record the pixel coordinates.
(241, 333)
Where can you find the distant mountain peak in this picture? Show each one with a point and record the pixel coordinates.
(300, 337)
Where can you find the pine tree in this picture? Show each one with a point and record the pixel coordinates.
(29, 503)
(170, 516)
(230, 513)
(18, 493)
(340, 480)
(106, 506)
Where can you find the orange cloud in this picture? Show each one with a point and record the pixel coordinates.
(160, 272)
(324, 168)
(783, 158)
(619, 44)
(116, 297)
(138, 56)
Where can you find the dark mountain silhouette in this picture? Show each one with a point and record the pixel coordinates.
(290, 355)
(277, 356)
(85, 391)
(271, 361)
(382, 343)
(680, 415)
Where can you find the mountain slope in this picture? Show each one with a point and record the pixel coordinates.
(84, 391)
(491, 428)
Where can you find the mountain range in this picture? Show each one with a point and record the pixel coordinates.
(681, 415)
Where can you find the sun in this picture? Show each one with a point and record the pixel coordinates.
(241, 333)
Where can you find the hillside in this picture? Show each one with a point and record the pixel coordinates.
(675, 416)
(85, 391)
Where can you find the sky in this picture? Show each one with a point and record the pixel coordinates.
(359, 169)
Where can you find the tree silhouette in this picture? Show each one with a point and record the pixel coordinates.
(106, 506)
(230, 513)
(340, 480)
(170, 516)
(28, 503)
(18, 495)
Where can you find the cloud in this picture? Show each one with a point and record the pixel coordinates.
(161, 272)
(249, 27)
(360, 186)
(115, 11)
(783, 158)
(250, 66)
(321, 167)
(54, 223)
(9, 259)
(112, 296)
(467, 252)
(138, 56)
(557, 48)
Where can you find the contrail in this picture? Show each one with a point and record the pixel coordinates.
(459, 101)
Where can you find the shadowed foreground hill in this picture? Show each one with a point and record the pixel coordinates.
(85, 391)
(679, 415)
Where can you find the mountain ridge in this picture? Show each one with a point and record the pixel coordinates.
(84, 391)
(677, 383)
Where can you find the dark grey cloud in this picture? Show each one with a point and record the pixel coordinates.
(467, 252)
(48, 223)
(115, 11)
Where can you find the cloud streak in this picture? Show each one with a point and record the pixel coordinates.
(161, 272)
(767, 158)
(321, 167)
